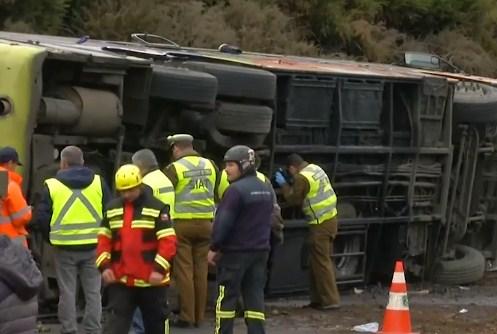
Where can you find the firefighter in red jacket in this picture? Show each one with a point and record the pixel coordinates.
(136, 245)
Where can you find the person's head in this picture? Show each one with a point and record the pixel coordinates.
(145, 160)
(71, 156)
(179, 144)
(240, 160)
(294, 164)
(9, 158)
(128, 182)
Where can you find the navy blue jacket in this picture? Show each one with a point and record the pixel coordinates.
(74, 178)
(243, 218)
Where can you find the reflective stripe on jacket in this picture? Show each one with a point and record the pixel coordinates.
(320, 202)
(195, 188)
(224, 183)
(15, 213)
(135, 239)
(77, 213)
(162, 188)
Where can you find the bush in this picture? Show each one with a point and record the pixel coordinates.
(247, 24)
(374, 30)
(40, 16)
(118, 19)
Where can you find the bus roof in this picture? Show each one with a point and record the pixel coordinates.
(138, 53)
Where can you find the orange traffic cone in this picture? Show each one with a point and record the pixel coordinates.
(397, 318)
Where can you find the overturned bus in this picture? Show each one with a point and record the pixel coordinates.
(410, 151)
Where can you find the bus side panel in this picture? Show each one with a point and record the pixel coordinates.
(20, 86)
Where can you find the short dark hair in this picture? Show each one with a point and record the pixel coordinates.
(294, 160)
(72, 156)
(145, 159)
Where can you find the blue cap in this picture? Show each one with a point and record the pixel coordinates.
(7, 154)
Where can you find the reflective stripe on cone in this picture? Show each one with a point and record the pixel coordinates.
(397, 319)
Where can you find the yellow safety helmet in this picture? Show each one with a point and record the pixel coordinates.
(127, 177)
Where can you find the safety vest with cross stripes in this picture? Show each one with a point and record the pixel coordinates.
(76, 213)
(320, 204)
(195, 188)
(162, 188)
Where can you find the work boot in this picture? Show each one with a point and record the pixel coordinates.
(178, 323)
(328, 307)
(312, 305)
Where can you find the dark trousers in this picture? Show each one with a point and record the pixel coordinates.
(123, 301)
(323, 286)
(241, 273)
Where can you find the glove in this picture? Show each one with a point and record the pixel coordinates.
(279, 178)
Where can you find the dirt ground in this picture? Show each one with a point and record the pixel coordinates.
(433, 319)
(434, 310)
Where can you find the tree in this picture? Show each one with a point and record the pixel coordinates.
(41, 16)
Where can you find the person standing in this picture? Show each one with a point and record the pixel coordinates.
(153, 177)
(162, 189)
(15, 213)
(20, 281)
(312, 190)
(241, 241)
(136, 245)
(70, 212)
(277, 235)
(194, 179)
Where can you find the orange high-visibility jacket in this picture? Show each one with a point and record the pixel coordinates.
(15, 213)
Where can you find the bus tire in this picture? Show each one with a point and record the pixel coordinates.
(468, 266)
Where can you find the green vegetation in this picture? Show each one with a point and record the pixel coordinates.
(462, 31)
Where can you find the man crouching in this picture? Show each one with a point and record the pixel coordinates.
(135, 247)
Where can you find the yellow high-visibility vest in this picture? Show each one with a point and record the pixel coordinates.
(224, 183)
(320, 203)
(195, 189)
(162, 188)
(76, 213)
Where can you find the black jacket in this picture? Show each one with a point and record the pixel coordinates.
(20, 281)
(74, 178)
(243, 218)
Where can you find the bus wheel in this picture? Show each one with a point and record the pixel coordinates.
(467, 266)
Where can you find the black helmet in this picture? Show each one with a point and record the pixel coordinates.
(243, 155)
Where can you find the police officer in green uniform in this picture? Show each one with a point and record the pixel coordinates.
(312, 190)
(194, 179)
(70, 212)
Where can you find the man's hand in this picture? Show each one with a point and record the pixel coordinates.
(279, 178)
(212, 257)
(155, 278)
(108, 276)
